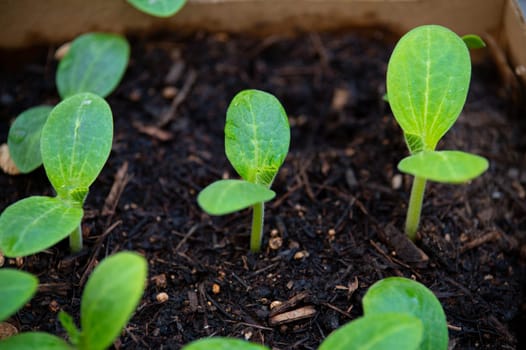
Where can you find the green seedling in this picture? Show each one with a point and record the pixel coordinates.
(111, 295)
(75, 143)
(158, 8)
(257, 138)
(405, 296)
(427, 83)
(16, 288)
(95, 63)
(399, 314)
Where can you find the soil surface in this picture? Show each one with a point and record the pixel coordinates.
(339, 196)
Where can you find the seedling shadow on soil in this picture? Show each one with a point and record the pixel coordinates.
(338, 193)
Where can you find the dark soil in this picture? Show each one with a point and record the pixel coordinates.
(338, 195)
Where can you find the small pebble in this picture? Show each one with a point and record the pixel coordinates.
(301, 254)
(275, 304)
(161, 297)
(54, 306)
(169, 92)
(396, 181)
(275, 243)
(216, 288)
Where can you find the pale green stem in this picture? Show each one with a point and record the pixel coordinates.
(257, 227)
(415, 207)
(75, 239)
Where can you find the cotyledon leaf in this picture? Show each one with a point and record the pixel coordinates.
(36, 223)
(109, 299)
(76, 142)
(444, 166)
(257, 136)
(33, 341)
(386, 331)
(16, 288)
(24, 138)
(402, 295)
(228, 196)
(427, 82)
(94, 63)
(159, 8)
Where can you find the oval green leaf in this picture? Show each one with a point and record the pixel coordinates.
(444, 166)
(377, 332)
(402, 295)
(16, 288)
(36, 223)
(257, 136)
(24, 138)
(228, 196)
(69, 325)
(76, 142)
(34, 340)
(222, 343)
(473, 41)
(159, 8)
(427, 82)
(110, 297)
(94, 63)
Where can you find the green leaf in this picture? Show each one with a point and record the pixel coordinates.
(427, 82)
(228, 196)
(473, 41)
(94, 63)
(111, 295)
(24, 138)
(34, 340)
(257, 136)
(36, 223)
(69, 325)
(221, 343)
(377, 332)
(159, 8)
(402, 295)
(444, 166)
(16, 288)
(76, 142)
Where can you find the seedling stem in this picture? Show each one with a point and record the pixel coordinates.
(257, 227)
(415, 207)
(75, 239)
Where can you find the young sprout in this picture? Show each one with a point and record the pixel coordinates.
(257, 137)
(427, 83)
(111, 295)
(95, 63)
(158, 8)
(75, 143)
(16, 288)
(399, 313)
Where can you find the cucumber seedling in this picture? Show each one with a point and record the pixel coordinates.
(75, 143)
(399, 314)
(95, 62)
(427, 84)
(16, 288)
(257, 138)
(111, 295)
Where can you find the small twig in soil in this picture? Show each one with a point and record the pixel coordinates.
(153, 131)
(97, 246)
(121, 180)
(178, 99)
(289, 303)
(185, 238)
(294, 315)
(330, 306)
(488, 237)
(264, 269)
